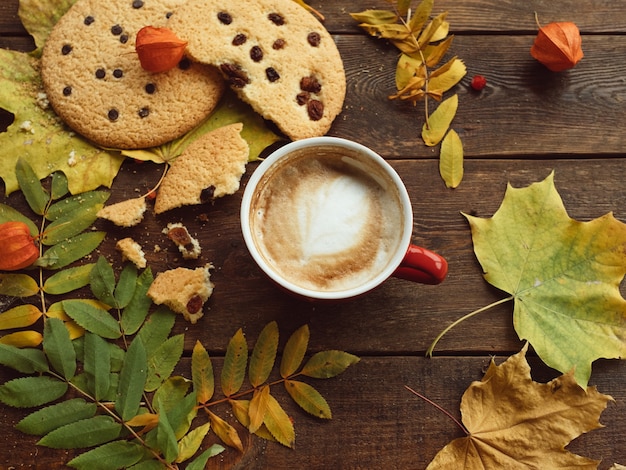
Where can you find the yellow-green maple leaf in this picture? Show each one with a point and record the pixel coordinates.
(563, 275)
(515, 423)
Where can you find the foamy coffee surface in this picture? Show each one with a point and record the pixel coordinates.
(326, 221)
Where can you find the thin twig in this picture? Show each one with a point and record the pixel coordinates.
(440, 408)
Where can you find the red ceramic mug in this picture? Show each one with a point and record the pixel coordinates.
(329, 219)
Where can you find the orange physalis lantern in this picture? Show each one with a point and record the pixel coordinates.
(159, 49)
(17, 247)
(558, 46)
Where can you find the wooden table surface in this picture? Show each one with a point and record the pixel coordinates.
(526, 123)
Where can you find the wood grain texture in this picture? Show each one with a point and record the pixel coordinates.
(527, 123)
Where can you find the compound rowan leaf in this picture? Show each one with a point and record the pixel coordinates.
(516, 423)
(563, 275)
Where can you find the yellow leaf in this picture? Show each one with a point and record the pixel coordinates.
(516, 423)
(279, 423)
(20, 316)
(191, 442)
(434, 54)
(448, 75)
(439, 121)
(294, 351)
(202, 373)
(374, 17)
(240, 411)
(149, 420)
(22, 339)
(406, 69)
(17, 285)
(421, 15)
(434, 30)
(225, 432)
(258, 407)
(309, 399)
(263, 355)
(451, 159)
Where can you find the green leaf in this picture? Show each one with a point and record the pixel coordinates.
(263, 355)
(92, 318)
(28, 392)
(162, 361)
(202, 373)
(58, 186)
(156, 329)
(68, 280)
(125, 288)
(102, 280)
(48, 419)
(111, 456)
(9, 214)
(235, 361)
(327, 364)
(39, 17)
(451, 159)
(36, 196)
(309, 399)
(79, 206)
(170, 393)
(18, 285)
(97, 365)
(71, 221)
(19, 317)
(166, 439)
(200, 462)
(564, 276)
(27, 361)
(190, 444)
(279, 423)
(439, 121)
(294, 351)
(58, 348)
(132, 380)
(153, 464)
(137, 309)
(84, 433)
(68, 251)
(258, 407)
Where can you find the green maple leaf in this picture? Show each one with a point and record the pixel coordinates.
(563, 275)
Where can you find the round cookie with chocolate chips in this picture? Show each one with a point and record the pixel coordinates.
(95, 83)
(274, 54)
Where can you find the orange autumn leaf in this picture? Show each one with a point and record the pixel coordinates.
(159, 49)
(558, 46)
(515, 423)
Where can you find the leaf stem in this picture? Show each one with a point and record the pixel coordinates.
(440, 408)
(429, 351)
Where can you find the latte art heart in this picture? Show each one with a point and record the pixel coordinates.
(323, 222)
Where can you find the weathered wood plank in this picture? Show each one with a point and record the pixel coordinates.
(376, 422)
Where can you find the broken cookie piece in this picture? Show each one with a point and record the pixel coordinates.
(183, 290)
(188, 246)
(131, 251)
(210, 167)
(126, 213)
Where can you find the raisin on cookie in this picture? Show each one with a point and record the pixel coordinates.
(274, 54)
(95, 83)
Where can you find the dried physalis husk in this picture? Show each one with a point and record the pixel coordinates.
(558, 46)
(17, 246)
(159, 49)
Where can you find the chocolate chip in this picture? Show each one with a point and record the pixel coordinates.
(116, 30)
(67, 91)
(271, 74)
(311, 84)
(314, 39)
(144, 112)
(235, 75)
(195, 304)
(239, 39)
(169, 14)
(276, 18)
(89, 20)
(118, 73)
(150, 88)
(184, 64)
(278, 44)
(224, 17)
(124, 38)
(113, 114)
(315, 109)
(137, 3)
(256, 53)
(100, 73)
(302, 98)
(207, 194)
(66, 49)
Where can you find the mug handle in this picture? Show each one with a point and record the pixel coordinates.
(422, 265)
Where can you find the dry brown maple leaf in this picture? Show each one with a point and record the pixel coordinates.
(516, 423)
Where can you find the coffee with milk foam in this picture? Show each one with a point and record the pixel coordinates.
(326, 219)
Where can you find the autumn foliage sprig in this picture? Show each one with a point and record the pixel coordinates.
(423, 43)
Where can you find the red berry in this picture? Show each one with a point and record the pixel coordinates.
(478, 82)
